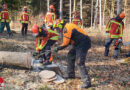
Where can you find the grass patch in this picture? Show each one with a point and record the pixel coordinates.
(45, 87)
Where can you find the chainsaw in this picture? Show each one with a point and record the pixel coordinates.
(37, 61)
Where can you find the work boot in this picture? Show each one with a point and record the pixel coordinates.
(128, 55)
(68, 77)
(115, 57)
(10, 34)
(86, 86)
(115, 54)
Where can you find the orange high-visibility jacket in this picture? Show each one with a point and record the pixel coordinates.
(5, 16)
(77, 21)
(49, 18)
(115, 29)
(72, 34)
(24, 18)
(41, 41)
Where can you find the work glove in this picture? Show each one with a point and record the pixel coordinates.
(35, 54)
(55, 49)
(119, 40)
(107, 34)
(38, 50)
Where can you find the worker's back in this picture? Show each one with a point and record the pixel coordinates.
(75, 33)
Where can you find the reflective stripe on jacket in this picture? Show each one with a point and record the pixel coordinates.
(41, 41)
(4, 16)
(114, 29)
(49, 18)
(25, 18)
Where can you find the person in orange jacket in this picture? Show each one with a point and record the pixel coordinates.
(5, 20)
(50, 17)
(114, 32)
(25, 20)
(77, 20)
(81, 44)
(44, 40)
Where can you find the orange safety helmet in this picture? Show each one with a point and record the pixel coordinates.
(5, 6)
(76, 13)
(122, 15)
(25, 8)
(35, 30)
(52, 7)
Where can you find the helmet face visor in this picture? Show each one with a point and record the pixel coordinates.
(35, 34)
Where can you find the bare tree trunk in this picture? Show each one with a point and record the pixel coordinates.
(70, 12)
(95, 17)
(100, 3)
(81, 11)
(119, 6)
(74, 7)
(48, 1)
(125, 7)
(104, 11)
(91, 13)
(61, 12)
(112, 9)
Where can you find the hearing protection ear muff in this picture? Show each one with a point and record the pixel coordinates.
(40, 30)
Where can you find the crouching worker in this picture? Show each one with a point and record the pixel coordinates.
(81, 44)
(44, 40)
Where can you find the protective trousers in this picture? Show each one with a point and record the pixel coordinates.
(78, 54)
(47, 50)
(107, 46)
(24, 29)
(3, 24)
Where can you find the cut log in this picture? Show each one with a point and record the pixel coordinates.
(47, 75)
(16, 58)
(59, 80)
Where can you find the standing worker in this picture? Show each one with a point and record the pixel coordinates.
(44, 40)
(25, 20)
(5, 20)
(114, 32)
(50, 17)
(77, 20)
(0, 13)
(81, 44)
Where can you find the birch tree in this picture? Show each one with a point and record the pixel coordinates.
(70, 11)
(74, 6)
(104, 11)
(81, 11)
(125, 7)
(48, 5)
(61, 12)
(100, 12)
(95, 17)
(119, 6)
(91, 13)
(112, 9)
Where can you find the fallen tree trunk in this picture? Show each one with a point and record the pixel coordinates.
(16, 58)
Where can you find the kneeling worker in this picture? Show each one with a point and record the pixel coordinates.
(81, 44)
(44, 40)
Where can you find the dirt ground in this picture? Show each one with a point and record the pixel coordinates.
(105, 72)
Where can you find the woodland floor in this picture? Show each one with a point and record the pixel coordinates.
(105, 72)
